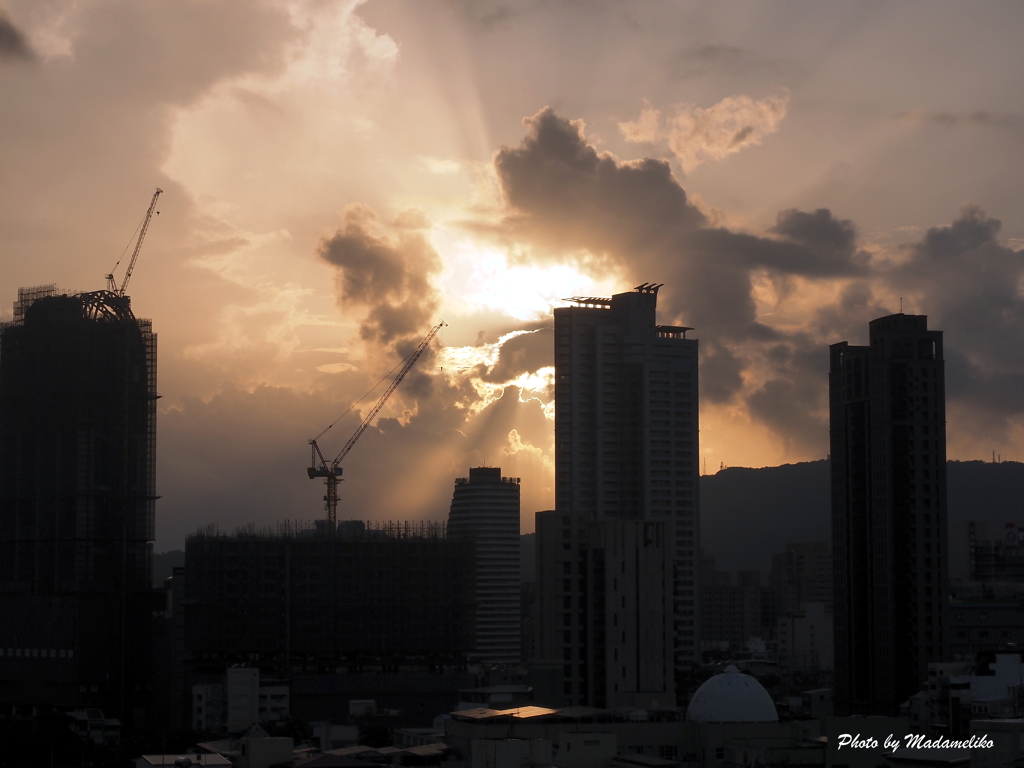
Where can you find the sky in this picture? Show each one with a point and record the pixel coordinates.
(339, 176)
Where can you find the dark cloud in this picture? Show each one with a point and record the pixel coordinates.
(572, 193)
(969, 285)
(806, 256)
(13, 44)
(972, 230)
(388, 274)
(845, 318)
(819, 230)
(721, 373)
(793, 402)
(568, 197)
(783, 406)
(521, 354)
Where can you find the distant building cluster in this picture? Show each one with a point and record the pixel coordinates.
(786, 624)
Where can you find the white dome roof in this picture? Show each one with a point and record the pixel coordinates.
(732, 697)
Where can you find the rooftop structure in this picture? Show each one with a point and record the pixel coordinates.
(731, 697)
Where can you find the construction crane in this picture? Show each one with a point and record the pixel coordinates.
(332, 472)
(111, 285)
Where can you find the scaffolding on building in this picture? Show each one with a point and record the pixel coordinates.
(77, 480)
(346, 529)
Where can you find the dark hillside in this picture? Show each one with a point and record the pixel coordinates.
(746, 514)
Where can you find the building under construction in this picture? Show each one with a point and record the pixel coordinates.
(77, 498)
(367, 611)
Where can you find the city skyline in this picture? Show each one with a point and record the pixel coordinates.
(338, 176)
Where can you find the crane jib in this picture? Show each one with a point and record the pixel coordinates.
(332, 472)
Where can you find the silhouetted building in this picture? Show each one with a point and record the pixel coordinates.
(370, 612)
(77, 492)
(802, 573)
(890, 555)
(995, 554)
(626, 448)
(986, 619)
(730, 612)
(485, 508)
(805, 639)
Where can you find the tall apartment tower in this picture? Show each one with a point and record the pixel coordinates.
(485, 507)
(616, 593)
(889, 540)
(77, 498)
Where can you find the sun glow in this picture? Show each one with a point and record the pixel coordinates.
(482, 278)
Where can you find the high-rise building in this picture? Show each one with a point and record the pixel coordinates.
(77, 499)
(889, 539)
(485, 508)
(624, 535)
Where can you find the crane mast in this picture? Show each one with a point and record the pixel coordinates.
(332, 472)
(111, 285)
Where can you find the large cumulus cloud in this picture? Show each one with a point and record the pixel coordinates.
(973, 288)
(765, 304)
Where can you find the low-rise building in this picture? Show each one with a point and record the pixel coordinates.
(960, 692)
(90, 725)
(175, 760)
(985, 618)
(731, 721)
(240, 701)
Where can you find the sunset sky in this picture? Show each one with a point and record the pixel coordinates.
(339, 176)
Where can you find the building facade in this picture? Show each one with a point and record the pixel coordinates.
(805, 640)
(889, 537)
(731, 610)
(995, 554)
(485, 508)
(802, 573)
(77, 501)
(626, 457)
(372, 611)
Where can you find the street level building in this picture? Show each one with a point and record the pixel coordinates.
(77, 501)
(889, 538)
(626, 467)
(485, 509)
